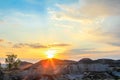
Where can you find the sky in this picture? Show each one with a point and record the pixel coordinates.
(75, 29)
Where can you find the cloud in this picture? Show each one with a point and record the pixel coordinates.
(59, 45)
(114, 43)
(105, 7)
(24, 25)
(1, 21)
(86, 11)
(20, 19)
(38, 45)
(88, 19)
(90, 10)
(20, 45)
(90, 51)
(114, 28)
(2, 40)
(35, 46)
(79, 53)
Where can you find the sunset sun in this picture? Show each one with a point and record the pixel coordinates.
(50, 53)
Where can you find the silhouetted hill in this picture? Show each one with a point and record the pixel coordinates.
(52, 61)
(56, 69)
(57, 61)
(86, 60)
(101, 61)
(24, 65)
(105, 61)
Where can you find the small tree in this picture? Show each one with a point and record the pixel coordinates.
(12, 62)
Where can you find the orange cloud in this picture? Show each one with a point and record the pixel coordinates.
(2, 40)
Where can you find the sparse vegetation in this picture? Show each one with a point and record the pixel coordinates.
(12, 62)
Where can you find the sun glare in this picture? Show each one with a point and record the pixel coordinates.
(50, 53)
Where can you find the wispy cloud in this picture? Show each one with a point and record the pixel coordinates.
(38, 45)
(35, 46)
(2, 40)
(59, 45)
(114, 43)
(16, 18)
(90, 51)
(90, 19)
